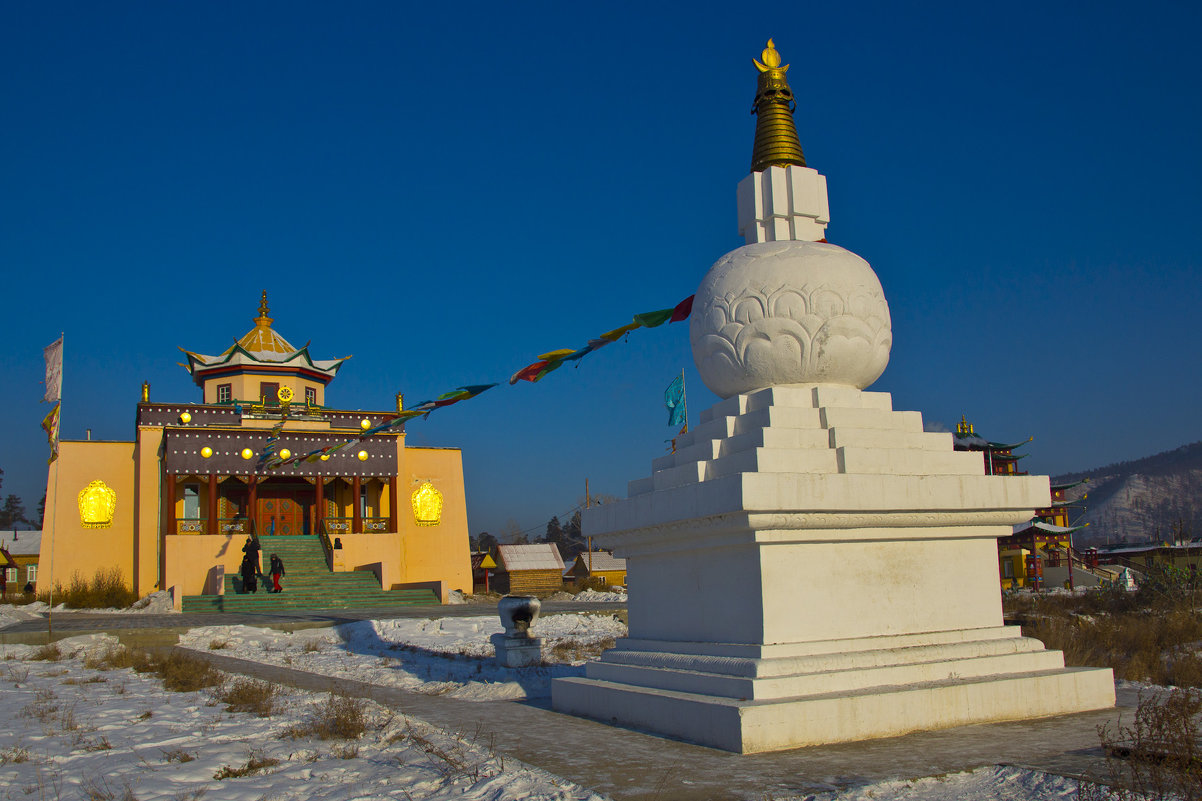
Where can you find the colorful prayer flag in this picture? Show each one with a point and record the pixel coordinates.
(50, 426)
(674, 400)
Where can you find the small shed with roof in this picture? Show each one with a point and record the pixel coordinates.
(603, 565)
(529, 569)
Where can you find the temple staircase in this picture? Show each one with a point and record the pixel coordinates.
(308, 584)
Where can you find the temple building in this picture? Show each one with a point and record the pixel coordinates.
(1038, 552)
(172, 508)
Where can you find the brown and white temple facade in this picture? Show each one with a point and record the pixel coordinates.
(184, 494)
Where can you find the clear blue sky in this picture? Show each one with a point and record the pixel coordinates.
(447, 190)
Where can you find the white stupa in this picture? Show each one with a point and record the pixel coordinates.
(810, 566)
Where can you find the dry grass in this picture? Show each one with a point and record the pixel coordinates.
(97, 789)
(106, 590)
(247, 695)
(120, 657)
(47, 653)
(1142, 640)
(179, 671)
(183, 673)
(256, 763)
(1156, 757)
(15, 755)
(342, 717)
(178, 755)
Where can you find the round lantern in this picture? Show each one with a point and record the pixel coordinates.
(247, 453)
(206, 451)
(363, 456)
(365, 424)
(185, 418)
(285, 453)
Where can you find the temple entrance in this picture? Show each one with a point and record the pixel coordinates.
(283, 509)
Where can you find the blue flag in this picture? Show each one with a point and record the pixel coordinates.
(674, 400)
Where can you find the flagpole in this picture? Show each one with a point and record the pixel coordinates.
(684, 398)
(54, 517)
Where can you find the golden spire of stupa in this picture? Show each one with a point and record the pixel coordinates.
(776, 141)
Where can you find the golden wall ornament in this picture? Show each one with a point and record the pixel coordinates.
(284, 394)
(97, 502)
(427, 505)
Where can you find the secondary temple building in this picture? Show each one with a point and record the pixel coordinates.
(171, 508)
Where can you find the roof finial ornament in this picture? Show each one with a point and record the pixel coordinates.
(776, 142)
(263, 321)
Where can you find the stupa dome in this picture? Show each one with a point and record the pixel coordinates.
(791, 312)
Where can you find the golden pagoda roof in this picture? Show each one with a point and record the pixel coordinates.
(261, 338)
(262, 346)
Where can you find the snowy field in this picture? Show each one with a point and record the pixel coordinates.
(78, 732)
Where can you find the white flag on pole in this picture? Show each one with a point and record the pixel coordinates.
(54, 370)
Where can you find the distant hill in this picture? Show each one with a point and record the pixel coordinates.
(1157, 497)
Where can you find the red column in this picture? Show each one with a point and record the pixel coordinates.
(169, 511)
(319, 504)
(392, 507)
(356, 509)
(252, 495)
(214, 528)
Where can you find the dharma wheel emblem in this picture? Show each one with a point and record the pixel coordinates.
(97, 502)
(427, 505)
(284, 394)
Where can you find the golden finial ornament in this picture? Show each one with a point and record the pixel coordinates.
(776, 141)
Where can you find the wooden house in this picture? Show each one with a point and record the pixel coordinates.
(21, 566)
(599, 564)
(528, 569)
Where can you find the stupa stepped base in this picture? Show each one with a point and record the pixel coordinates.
(811, 566)
(750, 726)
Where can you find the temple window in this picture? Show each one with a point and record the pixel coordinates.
(311, 396)
(268, 393)
(191, 501)
(224, 393)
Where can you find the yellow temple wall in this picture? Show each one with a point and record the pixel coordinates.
(380, 553)
(246, 387)
(148, 476)
(440, 552)
(192, 562)
(69, 548)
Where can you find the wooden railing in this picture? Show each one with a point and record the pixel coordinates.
(200, 525)
(337, 526)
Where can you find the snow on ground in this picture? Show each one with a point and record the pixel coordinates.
(75, 732)
(445, 656)
(11, 614)
(983, 784)
(593, 596)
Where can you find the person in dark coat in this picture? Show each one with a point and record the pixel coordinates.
(251, 549)
(277, 571)
(250, 583)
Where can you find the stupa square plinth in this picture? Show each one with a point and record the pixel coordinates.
(812, 567)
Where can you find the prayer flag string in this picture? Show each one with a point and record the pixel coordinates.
(534, 372)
